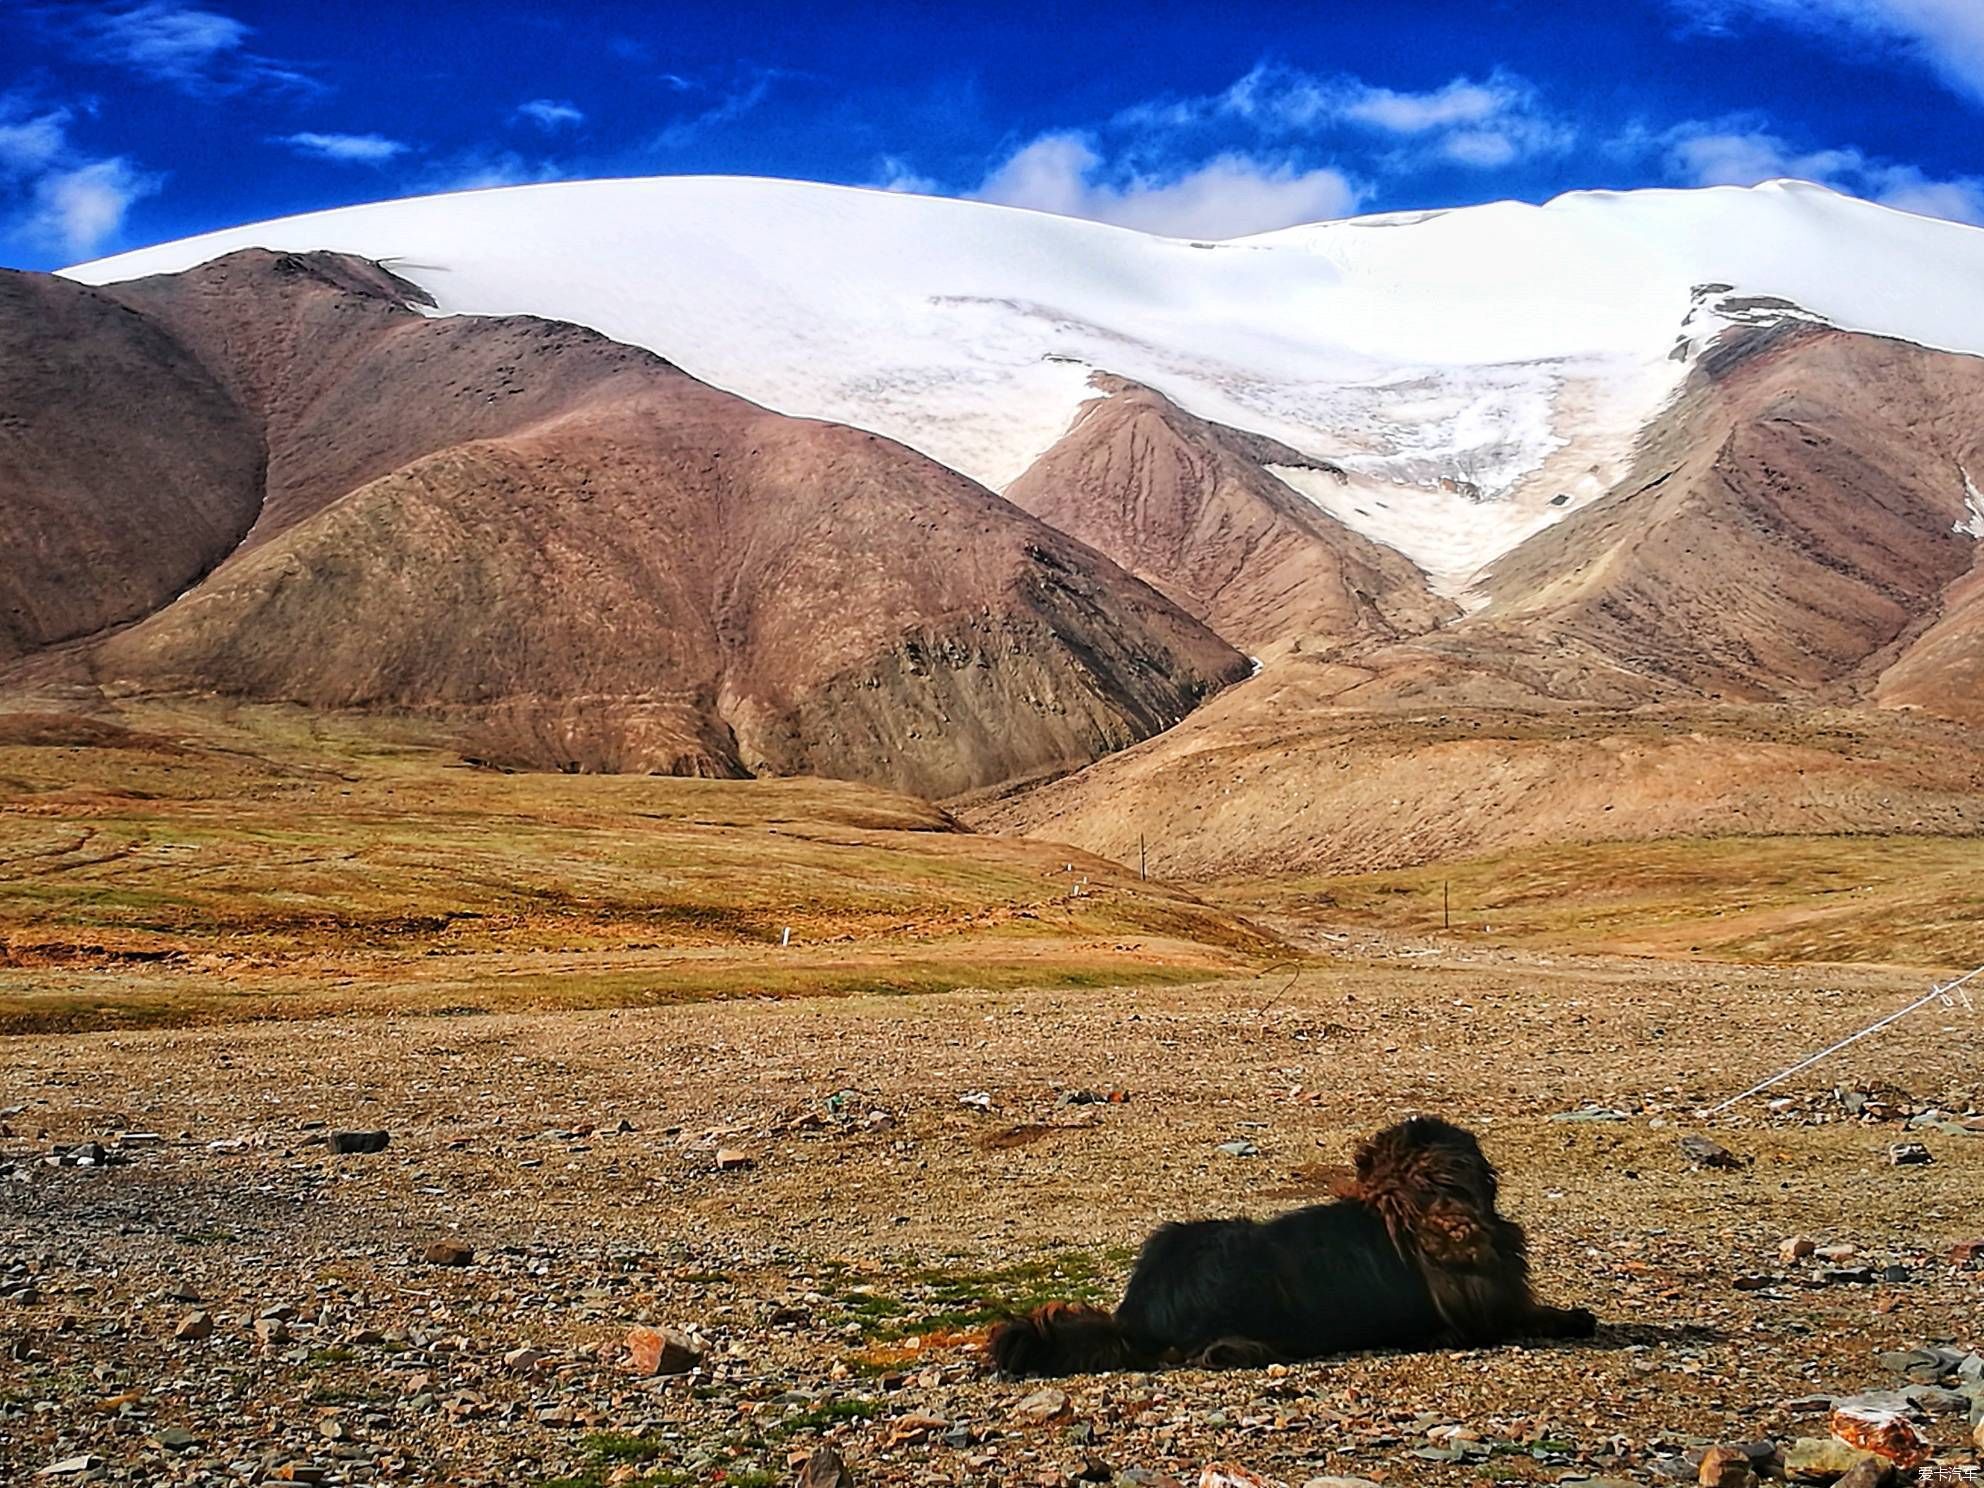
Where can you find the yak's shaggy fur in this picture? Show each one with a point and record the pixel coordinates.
(1413, 1255)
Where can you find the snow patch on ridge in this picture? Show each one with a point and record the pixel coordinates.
(1510, 351)
(1975, 526)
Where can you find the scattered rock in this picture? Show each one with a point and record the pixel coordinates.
(653, 1351)
(1233, 1475)
(1704, 1153)
(1796, 1248)
(734, 1160)
(69, 1467)
(449, 1253)
(1591, 1113)
(347, 1142)
(194, 1327)
(523, 1359)
(824, 1469)
(1045, 1407)
(1725, 1467)
(273, 1332)
(1968, 1254)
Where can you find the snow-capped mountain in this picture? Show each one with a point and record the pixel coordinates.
(1473, 375)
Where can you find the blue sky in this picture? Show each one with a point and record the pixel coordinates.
(129, 123)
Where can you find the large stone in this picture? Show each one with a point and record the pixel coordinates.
(448, 1253)
(1869, 1472)
(1705, 1153)
(1796, 1248)
(825, 1469)
(1889, 1433)
(194, 1327)
(1725, 1467)
(1044, 1407)
(1814, 1459)
(345, 1142)
(653, 1351)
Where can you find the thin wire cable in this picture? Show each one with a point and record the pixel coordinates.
(1941, 993)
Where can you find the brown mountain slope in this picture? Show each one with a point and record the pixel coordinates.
(1187, 506)
(126, 471)
(1789, 530)
(1942, 670)
(587, 557)
(1695, 654)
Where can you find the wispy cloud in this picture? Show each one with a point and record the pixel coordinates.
(893, 173)
(1484, 123)
(1946, 36)
(75, 211)
(1227, 196)
(476, 170)
(550, 114)
(182, 46)
(345, 149)
(734, 102)
(30, 143)
(1742, 150)
(55, 197)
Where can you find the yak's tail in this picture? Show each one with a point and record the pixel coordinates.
(1063, 1338)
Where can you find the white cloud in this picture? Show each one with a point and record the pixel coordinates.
(1741, 152)
(734, 104)
(196, 50)
(1227, 196)
(30, 145)
(1485, 124)
(893, 173)
(476, 170)
(1946, 36)
(1459, 102)
(551, 114)
(346, 149)
(75, 211)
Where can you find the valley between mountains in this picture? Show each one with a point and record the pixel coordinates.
(810, 763)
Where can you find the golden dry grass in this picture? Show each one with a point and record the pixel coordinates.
(190, 866)
(1903, 900)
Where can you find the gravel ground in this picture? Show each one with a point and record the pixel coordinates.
(804, 1189)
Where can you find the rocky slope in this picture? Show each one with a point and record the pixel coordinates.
(1190, 507)
(590, 559)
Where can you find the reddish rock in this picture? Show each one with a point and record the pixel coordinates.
(1968, 1254)
(449, 1253)
(194, 1327)
(1887, 1433)
(661, 1351)
(1726, 1467)
(732, 1160)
